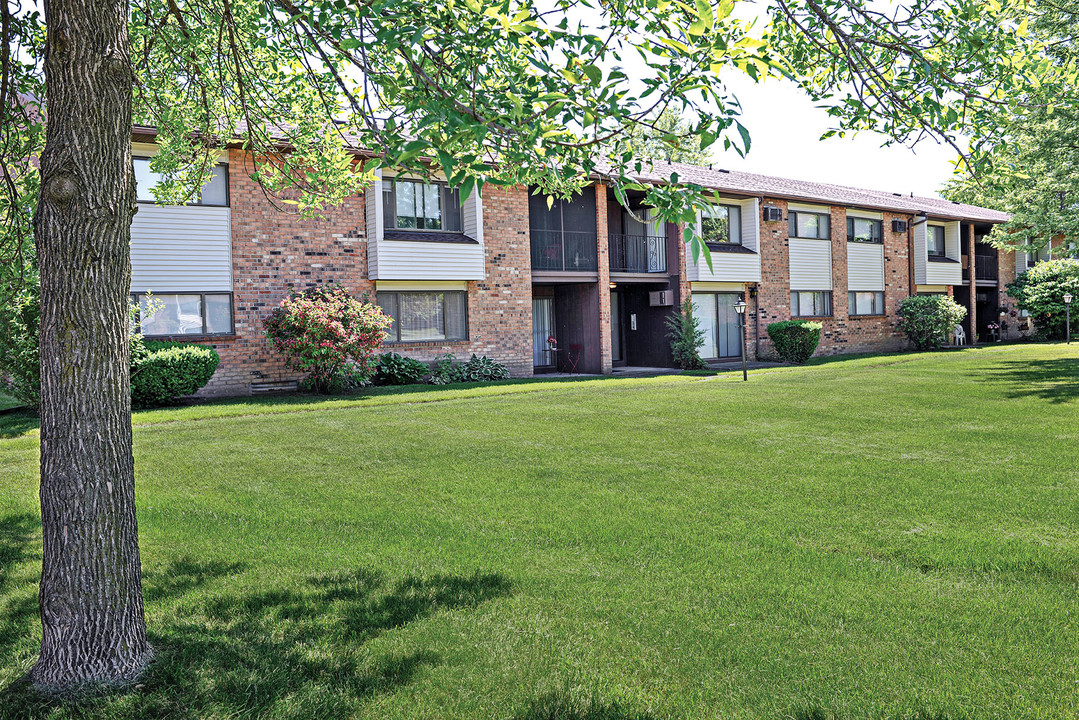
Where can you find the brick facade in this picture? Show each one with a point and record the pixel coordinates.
(273, 251)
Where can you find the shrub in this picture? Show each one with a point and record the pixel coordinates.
(20, 362)
(795, 340)
(447, 370)
(927, 319)
(684, 331)
(162, 372)
(394, 369)
(325, 332)
(1040, 291)
(483, 369)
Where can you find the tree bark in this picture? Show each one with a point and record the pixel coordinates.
(94, 630)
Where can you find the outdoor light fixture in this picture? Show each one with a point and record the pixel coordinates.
(612, 286)
(1068, 318)
(740, 308)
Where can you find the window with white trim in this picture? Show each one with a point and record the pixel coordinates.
(190, 313)
(215, 192)
(424, 316)
(865, 303)
(803, 224)
(811, 303)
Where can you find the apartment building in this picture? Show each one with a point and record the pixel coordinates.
(502, 274)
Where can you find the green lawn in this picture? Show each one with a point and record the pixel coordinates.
(879, 537)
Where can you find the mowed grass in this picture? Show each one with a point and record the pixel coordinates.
(877, 537)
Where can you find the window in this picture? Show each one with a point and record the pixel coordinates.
(811, 303)
(809, 225)
(934, 240)
(722, 224)
(215, 192)
(185, 314)
(862, 230)
(426, 316)
(866, 303)
(418, 205)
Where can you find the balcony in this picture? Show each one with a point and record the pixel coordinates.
(563, 251)
(985, 267)
(638, 253)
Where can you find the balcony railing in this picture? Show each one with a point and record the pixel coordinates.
(985, 267)
(638, 253)
(563, 250)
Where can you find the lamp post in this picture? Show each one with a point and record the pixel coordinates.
(1068, 317)
(740, 308)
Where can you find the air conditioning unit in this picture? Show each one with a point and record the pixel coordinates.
(899, 226)
(773, 214)
(661, 298)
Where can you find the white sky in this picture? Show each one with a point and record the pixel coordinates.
(786, 126)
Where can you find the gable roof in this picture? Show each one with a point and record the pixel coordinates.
(752, 184)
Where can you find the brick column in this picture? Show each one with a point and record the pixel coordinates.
(972, 303)
(840, 280)
(603, 287)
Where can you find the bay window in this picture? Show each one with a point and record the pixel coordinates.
(214, 193)
(934, 240)
(418, 205)
(722, 224)
(863, 230)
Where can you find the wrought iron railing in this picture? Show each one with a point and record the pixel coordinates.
(567, 250)
(638, 253)
(985, 267)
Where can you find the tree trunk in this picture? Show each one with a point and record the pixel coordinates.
(91, 585)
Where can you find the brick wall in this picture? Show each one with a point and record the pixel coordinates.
(841, 332)
(274, 250)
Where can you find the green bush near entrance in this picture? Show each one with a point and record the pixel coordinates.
(795, 340)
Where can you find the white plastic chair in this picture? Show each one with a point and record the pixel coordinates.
(960, 335)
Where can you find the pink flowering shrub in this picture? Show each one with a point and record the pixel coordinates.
(328, 334)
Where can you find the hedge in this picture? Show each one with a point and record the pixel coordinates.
(795, 340)
(162, 372)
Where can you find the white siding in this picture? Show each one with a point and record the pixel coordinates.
(1020, 263)
(176, 248)
(811, 264)
(921, 253)
(472, 216)
(726, 267)
(946, 273)
(865, 214)
(751, 225)
(406, 260)
(374, 219)
(865, 266)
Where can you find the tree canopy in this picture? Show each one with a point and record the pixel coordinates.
(1030, 166)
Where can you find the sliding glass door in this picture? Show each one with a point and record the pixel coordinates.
(542, 328)
(719, 321)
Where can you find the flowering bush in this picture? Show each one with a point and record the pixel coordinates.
(325, 332)
(1040, 291)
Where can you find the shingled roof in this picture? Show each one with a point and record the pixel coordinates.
(751, 184)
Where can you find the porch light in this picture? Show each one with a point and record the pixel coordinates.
(740, 308)
(1067, 298)
(612, 286)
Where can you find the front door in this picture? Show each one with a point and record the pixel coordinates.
(618, 353)
(542, 329)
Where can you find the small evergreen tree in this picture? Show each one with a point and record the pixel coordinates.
(684, 331)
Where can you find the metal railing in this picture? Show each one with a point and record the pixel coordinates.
(568, 250)
(638, 253)
(985, 267)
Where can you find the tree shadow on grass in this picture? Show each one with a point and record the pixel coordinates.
(17, 422)
(18, 606)
(1054, 380)
(567, 705)
(298, 651)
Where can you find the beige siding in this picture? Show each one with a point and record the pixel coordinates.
(429, 261)
(177, 248)
(472, 216)
(946, 273)
(921, 253)
(865, 266)
(375, 223)
(810, 264)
